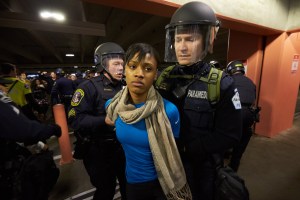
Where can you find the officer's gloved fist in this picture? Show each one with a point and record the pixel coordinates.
(56, 130)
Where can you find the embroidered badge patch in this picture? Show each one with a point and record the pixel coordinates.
(72, 113)
(236, 100)
(77, 97)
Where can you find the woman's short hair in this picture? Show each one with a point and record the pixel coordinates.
(142, 49)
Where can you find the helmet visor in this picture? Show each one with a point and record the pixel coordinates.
(186, 44)
(104, 60)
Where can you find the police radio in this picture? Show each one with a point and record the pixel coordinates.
(180, 91)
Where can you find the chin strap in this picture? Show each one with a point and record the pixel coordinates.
(112, 79)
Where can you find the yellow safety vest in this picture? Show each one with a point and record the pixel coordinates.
(17, 91)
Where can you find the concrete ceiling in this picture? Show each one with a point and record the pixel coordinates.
(34, 44)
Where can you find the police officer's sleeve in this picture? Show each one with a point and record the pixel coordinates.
(82, 114)
(16, 126)
(227, 127)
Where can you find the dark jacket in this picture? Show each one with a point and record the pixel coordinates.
(62, 88)
(205, 129)
(17, 127)
(87, 113)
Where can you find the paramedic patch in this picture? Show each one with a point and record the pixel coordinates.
(77, 97)
(236, 100)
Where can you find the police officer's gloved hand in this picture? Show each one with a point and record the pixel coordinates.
(56, 130)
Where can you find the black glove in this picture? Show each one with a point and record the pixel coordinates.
(56, 130)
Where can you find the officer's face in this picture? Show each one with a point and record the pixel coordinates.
(188, 48)
(140, 76)
(53, 75)
(115, 67)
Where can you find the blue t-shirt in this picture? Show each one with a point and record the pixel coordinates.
(134, 139)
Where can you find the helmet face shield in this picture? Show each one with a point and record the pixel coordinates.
(186, 44)
(105, 52)
(195, 19)
(104, 60)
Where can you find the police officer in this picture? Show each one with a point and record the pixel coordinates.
(247, 91)
(206, 126)
(102, 155)
(62, 90)
(16, 127)
(79, 78)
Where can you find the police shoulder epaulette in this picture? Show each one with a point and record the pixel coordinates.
(214, 85)
(164, 74)
(213, 81)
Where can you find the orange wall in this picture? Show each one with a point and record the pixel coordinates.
(279, 87)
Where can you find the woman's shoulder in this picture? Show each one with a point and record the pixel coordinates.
(169, 106)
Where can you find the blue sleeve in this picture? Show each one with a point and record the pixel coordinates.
(107, 103)
(174, 117)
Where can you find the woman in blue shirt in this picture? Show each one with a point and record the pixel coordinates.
(146, 125)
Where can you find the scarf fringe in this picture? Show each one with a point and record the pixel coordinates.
(182, 194)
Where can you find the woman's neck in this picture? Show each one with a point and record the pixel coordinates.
(136, 99)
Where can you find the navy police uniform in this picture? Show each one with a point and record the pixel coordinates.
(62, 92)
(16, 180)
(78, 81)
(247, 91)
(26, 130)
(102, 155)
(206, 129)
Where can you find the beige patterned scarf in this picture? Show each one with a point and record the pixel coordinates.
(169, 168)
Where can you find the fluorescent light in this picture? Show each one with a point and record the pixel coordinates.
(52, 15)
(45, 14)
(70, 55)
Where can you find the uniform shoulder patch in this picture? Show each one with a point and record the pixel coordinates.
(72, 113)
(236, 100)
(77, 97)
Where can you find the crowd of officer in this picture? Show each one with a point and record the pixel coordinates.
(206, 128)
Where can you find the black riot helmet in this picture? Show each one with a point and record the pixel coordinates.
(78, 74)
(107, 51)
(59, 72)
(235, 66)
(192, 18)
(216, 64)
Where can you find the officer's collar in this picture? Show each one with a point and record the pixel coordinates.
(107, 81)
(200, 68)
